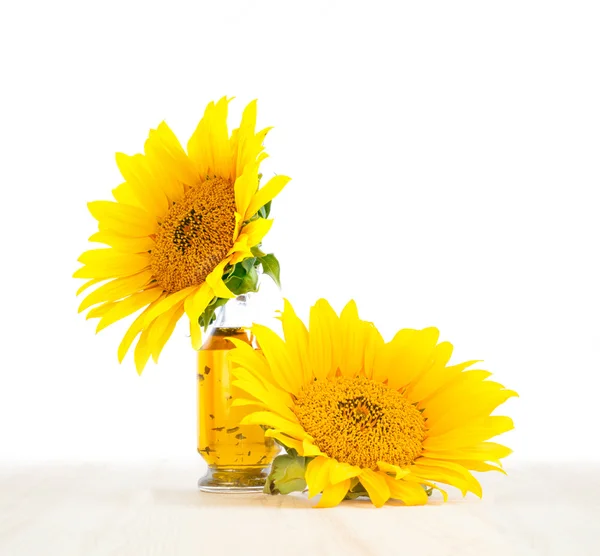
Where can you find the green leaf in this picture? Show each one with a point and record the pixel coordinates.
(208, 316)
(356, 490)
(287, 475)
(271, 267)
(243, 279)
(265, 210)
(248, 263)
(291, 452)
(257, 252)
(249, 282)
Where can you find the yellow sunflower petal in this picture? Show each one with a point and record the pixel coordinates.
(117, 289)
(445, 415)
(271, 398)
(234, 142)
(285, 370)
(125, 195)
(265, 194)
(142, 350)
(198, 146)
(143, 184)
(384, 363)
(116, 267)
(245, 187)
(396, 470)
(296, 337)
(267, 401)
(317, 475)
(373, 344)
(238, 225)
(88, 284)
(355, 334)
(376, 486)
(240, 250)
(246, 145)
(446, 472)
(208, 147)
(480, 466)
(323, 339)
(123, 219)
(111, 264)
(285, 440)
(100, 311)
(219, 139)
(340, 471)
(262, 390)
(406, 356)
(437, 377)
(253, 233)
(244, 402)
(334, 494)
(462, 384)
(309, 449)
(195, 334)
(270, 419)
(241, 140)
(484, 451)
(246, 357)
(471, 433)
(195, 304)
(123, 244)
(170, 301)
(133, 331)
(429, 380)
(215, 281)
(420, 482)
(413, 358)
(164, 152)
(128, 306)
(162, 329)
(412, 494)
(107, 256)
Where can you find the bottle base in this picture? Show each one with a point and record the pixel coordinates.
(224, 481)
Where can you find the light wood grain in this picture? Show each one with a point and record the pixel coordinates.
(155, 509)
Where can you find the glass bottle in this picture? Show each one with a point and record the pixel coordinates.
(238, 456)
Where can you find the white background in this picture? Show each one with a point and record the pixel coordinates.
(445, 162)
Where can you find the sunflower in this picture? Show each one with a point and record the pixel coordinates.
(178, 230)
(386, 420)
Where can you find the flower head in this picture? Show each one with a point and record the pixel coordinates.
(178, 230)
(387, 420)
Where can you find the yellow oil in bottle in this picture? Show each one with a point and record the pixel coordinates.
(237, 455)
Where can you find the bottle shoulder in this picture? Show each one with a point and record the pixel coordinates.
(220, 338)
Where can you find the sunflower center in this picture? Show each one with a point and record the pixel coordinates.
(195, 235)
(361, 422)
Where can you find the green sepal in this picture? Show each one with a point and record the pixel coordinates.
(243, 278)
(287, 474)
(208, 316)
(265, 210)
(270, 266)
(249, 263)
(257, 251)
(356, 490)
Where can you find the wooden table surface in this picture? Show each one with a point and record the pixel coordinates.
(155, 509)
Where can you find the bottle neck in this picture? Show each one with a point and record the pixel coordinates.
(235, 314)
